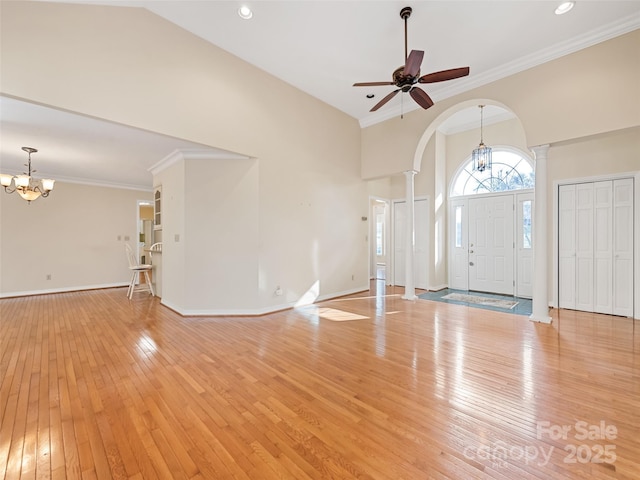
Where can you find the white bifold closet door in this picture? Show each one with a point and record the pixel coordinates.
(595, 264)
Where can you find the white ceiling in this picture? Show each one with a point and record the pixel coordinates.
(76, 148)
(321, 47)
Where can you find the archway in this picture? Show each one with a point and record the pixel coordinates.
(446, 115)
(448, 160)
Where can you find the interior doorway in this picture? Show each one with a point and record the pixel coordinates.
(421, 243)
(379, 234)
(145, 233)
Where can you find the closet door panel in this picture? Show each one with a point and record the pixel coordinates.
(567, 246)
(603, 246)
(584, 247)
(623, 196)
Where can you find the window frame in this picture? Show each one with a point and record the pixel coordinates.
(466, 168)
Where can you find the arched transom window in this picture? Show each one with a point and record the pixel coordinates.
(510, 171)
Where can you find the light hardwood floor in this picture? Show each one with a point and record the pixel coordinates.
(367, 387)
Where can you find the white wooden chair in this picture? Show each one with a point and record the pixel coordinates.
(136, 269)
(156, 247)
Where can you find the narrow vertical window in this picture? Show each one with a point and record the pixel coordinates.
(459, 226)
(380, 234)
(526, 224)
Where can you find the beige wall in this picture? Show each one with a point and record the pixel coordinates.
(76, 235)
(309, 158)
(146, 212)
(306, 198)
(614, 152)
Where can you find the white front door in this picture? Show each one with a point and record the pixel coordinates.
(491, 246)
(421, 243)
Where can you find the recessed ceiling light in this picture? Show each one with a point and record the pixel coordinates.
(245, 12)
(370, 95)
(564, 7)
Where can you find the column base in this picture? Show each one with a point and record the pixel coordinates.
(409, 297)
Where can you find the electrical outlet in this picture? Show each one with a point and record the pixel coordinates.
(353, 277)
(119, 237)
(48, 276)
(126, 238)
(176, 237)
(278, 290)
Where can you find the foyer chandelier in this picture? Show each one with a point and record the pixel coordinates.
(481, 155)
(26, 186)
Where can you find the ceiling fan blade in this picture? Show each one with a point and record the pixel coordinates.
(443, 75)
(421, 97)
(412, 65)
(371, 84)
(384, 100)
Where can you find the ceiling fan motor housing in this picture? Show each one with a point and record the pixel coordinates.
(402, 81)
(408, 75)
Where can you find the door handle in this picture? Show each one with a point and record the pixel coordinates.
(471, 264)
(470, 251)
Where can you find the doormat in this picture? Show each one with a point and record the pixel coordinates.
(492, 302)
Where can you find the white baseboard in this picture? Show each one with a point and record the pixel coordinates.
(61, 290)
(240, 312)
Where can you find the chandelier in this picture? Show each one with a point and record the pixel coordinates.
(26, 186)
(481, 155)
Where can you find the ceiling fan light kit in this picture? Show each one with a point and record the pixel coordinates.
(26, 186)
(408, 75)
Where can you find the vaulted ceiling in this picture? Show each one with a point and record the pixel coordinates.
(322, 48)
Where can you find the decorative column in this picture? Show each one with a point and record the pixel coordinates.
(540, 310)
(409, 284)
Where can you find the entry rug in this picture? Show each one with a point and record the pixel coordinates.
(492, 302)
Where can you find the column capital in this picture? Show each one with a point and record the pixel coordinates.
(410, 172)
(540, 151)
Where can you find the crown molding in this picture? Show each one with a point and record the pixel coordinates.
(98, 183)
(87, 181)
(598, 35)
(193, 154)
